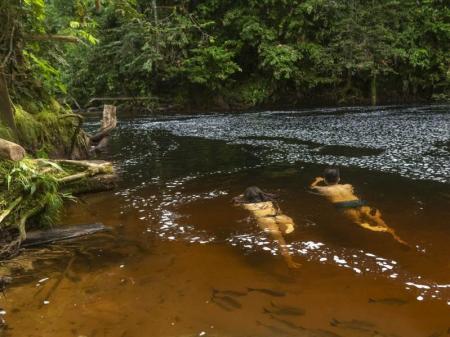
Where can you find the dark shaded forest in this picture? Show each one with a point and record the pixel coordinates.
(226, 54)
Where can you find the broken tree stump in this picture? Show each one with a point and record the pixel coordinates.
(109, 116)
(11, 151)
(109, 123)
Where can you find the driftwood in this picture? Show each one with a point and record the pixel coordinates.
(11, 151)
(42, 237)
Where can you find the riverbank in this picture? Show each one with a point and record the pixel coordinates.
(33, 190)
(33, 193)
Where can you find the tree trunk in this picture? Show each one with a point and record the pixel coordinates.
(98, 6)
(373, 89)
(155, 18)
(155, 12)
(348, 84)
(6, 107)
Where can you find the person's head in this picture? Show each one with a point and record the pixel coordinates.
(254, 194)
(331, 175)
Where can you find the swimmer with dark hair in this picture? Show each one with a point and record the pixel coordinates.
(269, 217)
(343, 197)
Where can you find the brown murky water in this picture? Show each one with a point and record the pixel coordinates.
(181, 260)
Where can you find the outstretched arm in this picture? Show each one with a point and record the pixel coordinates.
(316, 181)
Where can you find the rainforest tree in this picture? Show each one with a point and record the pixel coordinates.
(227, 53)
(32, 90)
(245, 53)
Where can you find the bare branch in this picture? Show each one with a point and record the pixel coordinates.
(52, 37)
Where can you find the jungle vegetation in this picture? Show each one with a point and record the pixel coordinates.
(223, 53)
(241, 54)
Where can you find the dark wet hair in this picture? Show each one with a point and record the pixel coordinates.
(331, 175)
(254, 194)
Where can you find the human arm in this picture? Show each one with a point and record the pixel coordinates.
(316, 181)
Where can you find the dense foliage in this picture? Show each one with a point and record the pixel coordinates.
(244, 53)
(32, 59)
(225, 53)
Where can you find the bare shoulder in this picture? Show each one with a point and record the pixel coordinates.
(348, 187)
(321, 189)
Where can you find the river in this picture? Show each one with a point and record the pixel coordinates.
(182, 260)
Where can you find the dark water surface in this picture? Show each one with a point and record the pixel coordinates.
(181, 260)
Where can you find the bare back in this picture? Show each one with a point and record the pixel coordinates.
(337, 193)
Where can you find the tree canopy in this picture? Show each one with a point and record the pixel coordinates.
(235, 54)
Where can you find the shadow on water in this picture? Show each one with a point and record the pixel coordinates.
(183, 261)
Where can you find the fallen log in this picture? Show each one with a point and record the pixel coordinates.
(11, 151)
(100, 183)
(97, 176)
(42, 237)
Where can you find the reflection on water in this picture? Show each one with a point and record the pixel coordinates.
(184, 261)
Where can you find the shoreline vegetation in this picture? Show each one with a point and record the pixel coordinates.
(32, 193)
(33, 190)
(227, 55)
(134, 109)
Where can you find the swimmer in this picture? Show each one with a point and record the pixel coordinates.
(343, 197)
(269, 217)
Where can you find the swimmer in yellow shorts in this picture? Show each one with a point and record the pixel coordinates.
(269, 218)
